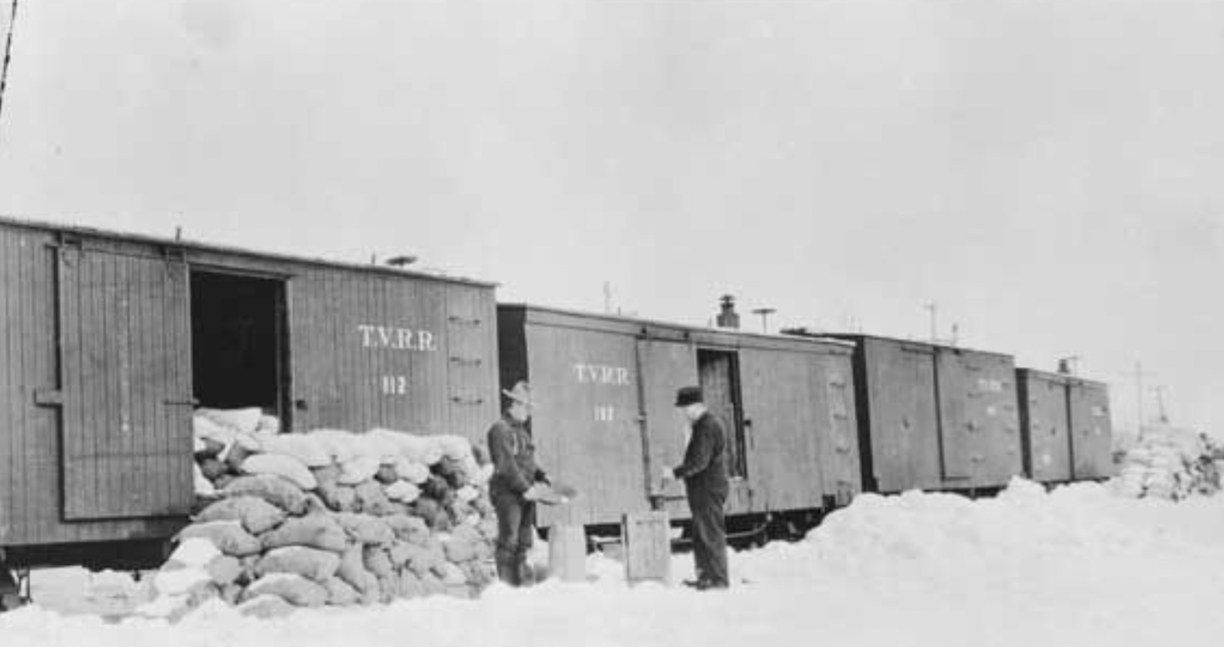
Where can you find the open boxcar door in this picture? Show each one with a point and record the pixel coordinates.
(125, 343)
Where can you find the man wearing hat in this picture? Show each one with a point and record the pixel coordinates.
(704, 471)
(514, 485)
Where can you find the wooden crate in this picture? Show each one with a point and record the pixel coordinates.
(646, 537)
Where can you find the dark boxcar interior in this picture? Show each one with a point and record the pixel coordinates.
(237, 346)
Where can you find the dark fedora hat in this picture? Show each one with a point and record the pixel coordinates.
(688, 395)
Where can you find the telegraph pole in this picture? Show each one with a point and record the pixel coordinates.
(933, 308)
(1160, 390)
(7, 54)
(1138, 374)
(764, 312)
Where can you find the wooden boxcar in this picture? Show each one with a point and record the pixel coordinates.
(107, 341)
(606, 421)
(935, 417)
(1065, 425)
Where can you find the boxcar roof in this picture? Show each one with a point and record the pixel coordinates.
(27, 223)
(1059, 377)
(623, 324)
(897, 340)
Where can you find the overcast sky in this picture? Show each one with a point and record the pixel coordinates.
(1051, 173)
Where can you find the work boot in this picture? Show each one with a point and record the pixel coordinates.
(508, 568)
(525, 575)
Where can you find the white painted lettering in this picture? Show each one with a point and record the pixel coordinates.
(601, 374)
(373, 336)
(365, 334)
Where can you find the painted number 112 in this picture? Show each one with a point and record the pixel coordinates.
(394, 385)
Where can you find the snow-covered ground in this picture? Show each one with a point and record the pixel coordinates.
(1075, 567)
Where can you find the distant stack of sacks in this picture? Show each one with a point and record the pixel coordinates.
(329, 518)
(1170, 463)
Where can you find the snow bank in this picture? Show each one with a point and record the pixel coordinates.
(1077, 567)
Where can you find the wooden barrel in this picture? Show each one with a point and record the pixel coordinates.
(567, 553)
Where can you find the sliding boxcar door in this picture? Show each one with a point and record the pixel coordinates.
(126, 385)
(663, 367)
(1091, 431)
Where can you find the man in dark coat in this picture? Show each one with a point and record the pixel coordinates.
(704, 471)
(515, 485)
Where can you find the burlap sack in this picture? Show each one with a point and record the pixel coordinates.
(294, 589)
(266, 606)
(340, 594)
(411, 529)
(316, 531)
(371, 499)
(257, 516)
(228, 536)
(304, 448)
(283, 466)
(378, 562)
(365, 529)
(276, 490)
(353, 571)
(312, 563)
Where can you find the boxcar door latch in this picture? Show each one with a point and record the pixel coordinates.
(48, 397)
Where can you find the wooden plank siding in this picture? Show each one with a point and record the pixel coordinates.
(935, 417)
(1044, 425)
(119, 437)
(374, 351)
(1091, 430)
(128, 422)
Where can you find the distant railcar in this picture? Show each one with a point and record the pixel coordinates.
(606, 421)
(934, 417)
(108, 341)
(1065, 424)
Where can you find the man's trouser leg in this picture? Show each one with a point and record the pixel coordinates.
(509, 509)
(696, 502)
(710, 537)
(526, 536)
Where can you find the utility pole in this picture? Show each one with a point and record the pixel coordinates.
(7, 54)
(1160, 390)
(1138, 374)
(607, 291)
(764, 312)
(933, 308)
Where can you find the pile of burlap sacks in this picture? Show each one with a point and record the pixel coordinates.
(1171, 463)
(327, 517)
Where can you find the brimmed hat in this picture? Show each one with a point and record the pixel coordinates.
(688, 395)
(520, 393)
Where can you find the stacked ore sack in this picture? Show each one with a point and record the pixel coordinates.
(1171, 463)
(328, 517)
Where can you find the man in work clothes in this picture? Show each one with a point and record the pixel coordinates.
(704, 471)
(515, 484)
